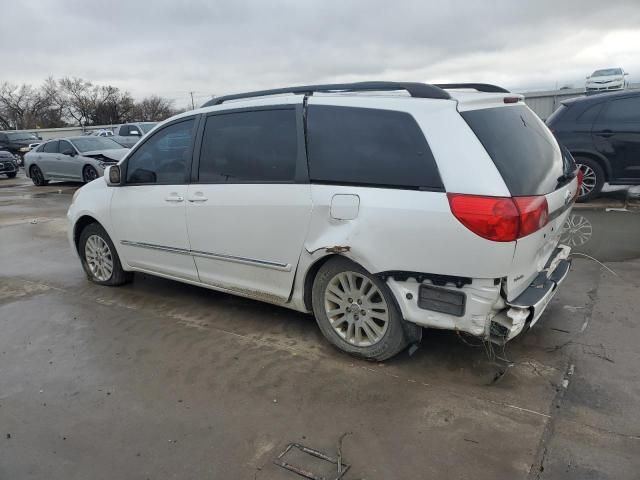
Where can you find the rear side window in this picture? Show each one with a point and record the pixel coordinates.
(258, 146)
(362, 146)
(624, 110)
(50, 147)
(590, 114)
(524, 151)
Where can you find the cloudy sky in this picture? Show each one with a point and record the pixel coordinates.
(214, 47)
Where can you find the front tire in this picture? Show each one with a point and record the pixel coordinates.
(12, 174)
(99, 257)
(89, 174)
(593, 178)
(37, 177)
(356, 311)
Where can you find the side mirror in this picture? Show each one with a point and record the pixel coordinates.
(112, 175)
(134, 132)
(69, 153)
(626, 73)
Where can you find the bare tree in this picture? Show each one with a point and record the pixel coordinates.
(75, 101)
(21, 106)
(154, 109)
(78, 98)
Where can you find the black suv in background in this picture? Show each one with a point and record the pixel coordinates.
(18, 143)
(602, 132)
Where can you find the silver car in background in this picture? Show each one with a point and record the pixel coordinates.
(72, 159)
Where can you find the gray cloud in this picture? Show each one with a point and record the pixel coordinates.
(173, 47)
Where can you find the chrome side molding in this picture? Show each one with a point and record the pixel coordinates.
(285, 267)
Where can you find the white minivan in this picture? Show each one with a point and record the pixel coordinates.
(380, 207)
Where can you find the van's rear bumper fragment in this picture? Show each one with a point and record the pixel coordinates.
(526, 309)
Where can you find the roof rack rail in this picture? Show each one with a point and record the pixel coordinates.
(417, 90)
(481, 87)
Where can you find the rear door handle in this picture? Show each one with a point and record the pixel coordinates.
(174, 198)
(198, 197)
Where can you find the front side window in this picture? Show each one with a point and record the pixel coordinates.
(124, 131)
(624, 110)
(362, 146)
(51, 147)
(65, 147)
(164, 157)
(258, 146)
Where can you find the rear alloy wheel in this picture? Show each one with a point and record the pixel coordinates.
(356, 312)
(592, 181)
(37, 177)
(89, 174)
(99, 257)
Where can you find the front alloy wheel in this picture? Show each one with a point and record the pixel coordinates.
(99, 258)
(89, 174)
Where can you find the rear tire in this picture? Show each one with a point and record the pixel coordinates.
(99, 257)
(89, 174)
(356, 311)
(593, 180)
(37, 177)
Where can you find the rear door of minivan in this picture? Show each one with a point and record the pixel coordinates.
(532, 164)
(249, 203)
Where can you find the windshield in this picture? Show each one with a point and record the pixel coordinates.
(89, 144)
(606, 72)
(21, 136)
(146, 127)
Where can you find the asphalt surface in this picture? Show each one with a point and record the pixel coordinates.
(162, 380)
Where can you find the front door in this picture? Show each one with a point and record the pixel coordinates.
(67, 164)
(148, 211)
(249, 212)
(616, 135)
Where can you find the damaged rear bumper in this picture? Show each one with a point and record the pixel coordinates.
(526, 309)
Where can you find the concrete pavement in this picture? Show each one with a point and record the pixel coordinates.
(159, 380)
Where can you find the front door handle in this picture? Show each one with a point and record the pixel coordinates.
(604, 133)
(174, 198)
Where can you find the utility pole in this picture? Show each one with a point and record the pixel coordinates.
(193, 105)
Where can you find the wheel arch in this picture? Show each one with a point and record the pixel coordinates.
(310, 275)
(80, 225)
(596, 157)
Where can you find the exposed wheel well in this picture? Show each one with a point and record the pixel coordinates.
(80, 225)
(597, 159)
(310, 277)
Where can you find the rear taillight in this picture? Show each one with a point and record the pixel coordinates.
(501, 219)
(534, 213)
(580, 176)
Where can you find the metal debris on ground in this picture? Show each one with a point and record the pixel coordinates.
(340, 467)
